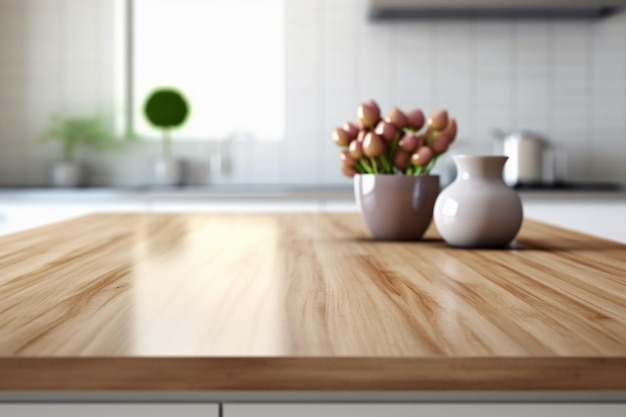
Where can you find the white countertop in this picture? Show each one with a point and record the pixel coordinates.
(597, 213)
(273, 192)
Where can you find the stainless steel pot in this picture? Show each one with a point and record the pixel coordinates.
(531, 158)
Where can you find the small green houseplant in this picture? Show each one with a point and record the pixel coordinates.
(166, 109)
(73, 132)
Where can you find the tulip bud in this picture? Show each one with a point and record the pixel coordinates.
(368, 115)
(360, 137)
(401, 160)
(422, 157)
(375, 105)
(373, 145)
(348, 171)
(438, 120)
(440, 144)
(356, 149)
(386, 130)
(415, 119)
(341, 137)
(397, 118)
(346, 158)
(409, 143)
(351, 130)
(450, 130)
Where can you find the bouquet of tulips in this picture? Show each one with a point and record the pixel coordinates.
(395, 144)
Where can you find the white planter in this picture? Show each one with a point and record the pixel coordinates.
(67, 174)
(167, 171)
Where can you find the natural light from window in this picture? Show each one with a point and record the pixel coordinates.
(226, 56)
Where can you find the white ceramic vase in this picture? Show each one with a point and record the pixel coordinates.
(66, 174)
(167, 172)
(478, 210)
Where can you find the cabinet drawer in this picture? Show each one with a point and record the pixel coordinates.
(424, 410)
(106, 410)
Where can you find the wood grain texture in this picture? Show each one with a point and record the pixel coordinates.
(304, 301)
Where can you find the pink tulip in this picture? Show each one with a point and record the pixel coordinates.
(440, 144)
(373, 145)
(438, 120)
(348, 171)
(401, 160)
(451, 130)
(386, 130)
(346, 158)
(351, 130)
(341, 137)
(422, 157)
(409, 142)
(375, 105)
(397, 118)
(368, 115)
(416, 119)
(356, 149)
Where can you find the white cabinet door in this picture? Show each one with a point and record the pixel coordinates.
(424, 410)
(108, 410)
(603, 219)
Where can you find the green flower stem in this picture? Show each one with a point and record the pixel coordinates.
(361, 163)
(394, 146)
(389, 165)
(417, 170)
(382, 168)
(374, 166)
(385, 163)
(429, 139)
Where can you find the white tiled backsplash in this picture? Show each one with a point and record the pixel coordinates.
(566, 79)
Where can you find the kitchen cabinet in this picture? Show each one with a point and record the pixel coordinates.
(424, 410)
(108, 410)
(563, 9)
(598, 218)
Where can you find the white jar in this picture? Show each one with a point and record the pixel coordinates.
(478, 209)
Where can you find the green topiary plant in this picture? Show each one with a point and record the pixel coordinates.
(166, 109)
(75, 131)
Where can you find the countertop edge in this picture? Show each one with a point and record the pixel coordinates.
(313, 374)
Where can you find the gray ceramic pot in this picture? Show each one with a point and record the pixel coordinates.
(396, 207)
(478, 210)
(167, 171)
(67, 174)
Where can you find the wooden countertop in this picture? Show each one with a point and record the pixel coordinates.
(304, 302)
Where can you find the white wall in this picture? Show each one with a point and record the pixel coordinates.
(564, 78)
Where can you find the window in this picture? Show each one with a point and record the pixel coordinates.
(226, 56)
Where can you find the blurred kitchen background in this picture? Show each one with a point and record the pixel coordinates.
(564, 78)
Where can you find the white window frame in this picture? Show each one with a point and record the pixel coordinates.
(124, 98)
